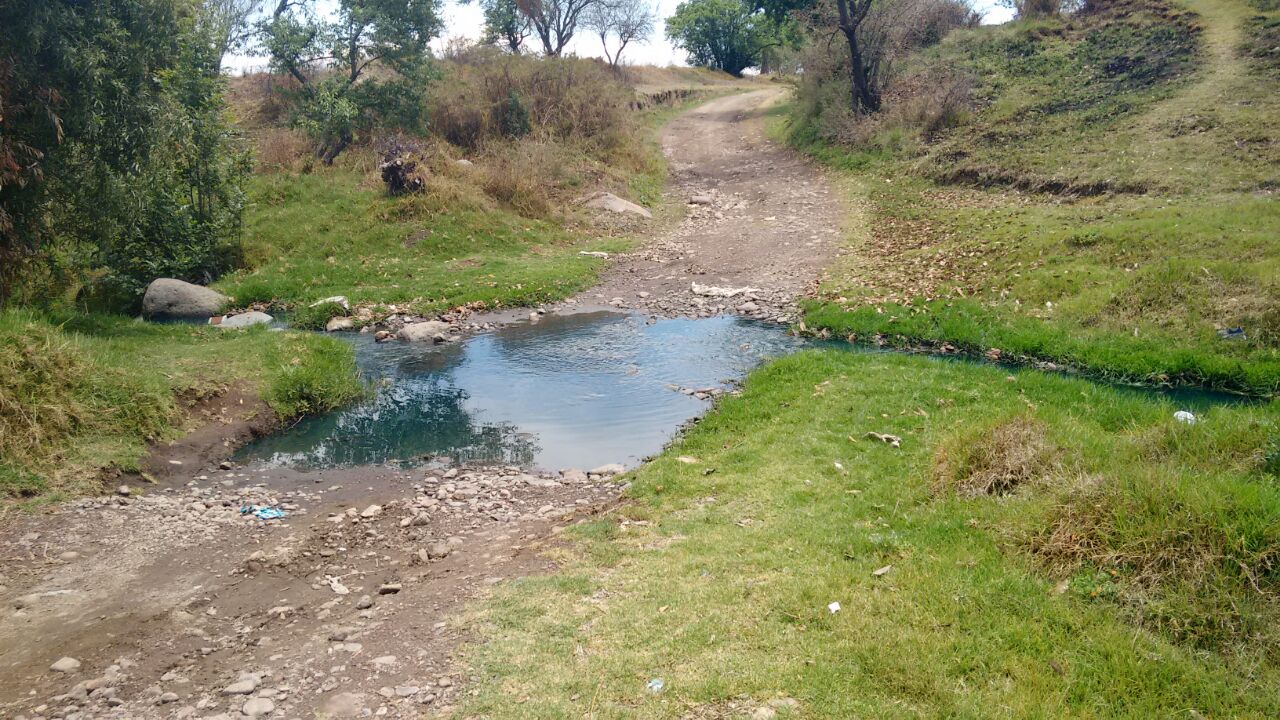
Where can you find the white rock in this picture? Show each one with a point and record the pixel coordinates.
(338, 324)
(336, 300)
(424, 331)
(615, 204)
(257, 707)
(243, 320)
(66, 665)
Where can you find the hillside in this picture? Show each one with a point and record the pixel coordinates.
(1105, 199)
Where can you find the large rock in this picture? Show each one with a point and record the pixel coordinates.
(613, 203)
(244, 320)
(429, 331)
(169, 298)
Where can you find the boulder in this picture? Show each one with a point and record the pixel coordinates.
(613, 203)
(169, 298)
(244, 320)
(429, 331)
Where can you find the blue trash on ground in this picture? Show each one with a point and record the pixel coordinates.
(262, 512)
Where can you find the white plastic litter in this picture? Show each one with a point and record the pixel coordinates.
(834, 607)
(1183, 416)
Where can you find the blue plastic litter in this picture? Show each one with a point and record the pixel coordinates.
(262, 512)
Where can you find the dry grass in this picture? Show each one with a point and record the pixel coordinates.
(995, 460)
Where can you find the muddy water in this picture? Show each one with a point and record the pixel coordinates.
(577, 390)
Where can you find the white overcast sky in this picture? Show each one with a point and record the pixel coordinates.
(467, 20)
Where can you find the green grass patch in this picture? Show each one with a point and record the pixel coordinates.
(80, 393)
(1130, 572)
(312, 236)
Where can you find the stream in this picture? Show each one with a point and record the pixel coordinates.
(574, 390)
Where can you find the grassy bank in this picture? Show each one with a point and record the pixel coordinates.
(1038, 546)
(1116, 216)
(80, 393)
(313, 236)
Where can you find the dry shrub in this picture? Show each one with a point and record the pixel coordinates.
(1194, 555)
(524, 174)
(484, 95)
(260, 100)
(995, 460)
(281, 149)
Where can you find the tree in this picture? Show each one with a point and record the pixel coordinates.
(504, 25)
(554, 21)
(723, 34)
(227, 22)
(113, 144)
(627, 20)
(330, 58)
(864, 95)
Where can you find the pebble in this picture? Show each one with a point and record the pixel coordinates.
(364, 603)
(66, 665)
(257, 707)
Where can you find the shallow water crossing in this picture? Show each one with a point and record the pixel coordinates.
(576, 390)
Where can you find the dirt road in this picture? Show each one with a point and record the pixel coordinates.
(176, 601)
(758, 217)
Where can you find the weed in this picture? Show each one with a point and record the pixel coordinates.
(995, 460)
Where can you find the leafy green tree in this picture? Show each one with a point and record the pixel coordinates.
(504, 25)
(113, 144)
(724, 34)
(330, 58)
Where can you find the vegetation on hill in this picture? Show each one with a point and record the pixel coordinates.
(1093, 190)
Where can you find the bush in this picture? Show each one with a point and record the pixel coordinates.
(485, 95)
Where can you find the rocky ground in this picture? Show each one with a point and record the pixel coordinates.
(185, 597)
(760, 222)
(183, 603)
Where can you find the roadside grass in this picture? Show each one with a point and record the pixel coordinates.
(1130, 571)
(81, 393)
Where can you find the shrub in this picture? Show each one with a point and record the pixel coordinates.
(995, 460)
(486, 95)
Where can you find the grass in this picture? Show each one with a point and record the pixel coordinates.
(312, 236)
(81, 393)
(1145, 282)
(1131, 571)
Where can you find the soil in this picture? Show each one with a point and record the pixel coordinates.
(176, 601)
(758, 217)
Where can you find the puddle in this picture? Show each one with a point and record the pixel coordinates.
(577, 390)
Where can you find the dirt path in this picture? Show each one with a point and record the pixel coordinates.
(173, 603)
(759, 217)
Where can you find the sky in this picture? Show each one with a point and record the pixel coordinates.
(467, 20)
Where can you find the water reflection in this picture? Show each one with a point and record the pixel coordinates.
(570, 391)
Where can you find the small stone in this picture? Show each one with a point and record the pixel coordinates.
(66, 665)
(390, 588)
(169, 697)
(123, 491)
(69, 555)
(244, 686)
(372, 511)
(364, 603)
(407, 690)
(257, 707)
(438, 550)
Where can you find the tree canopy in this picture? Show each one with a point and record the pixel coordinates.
(724, 34)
